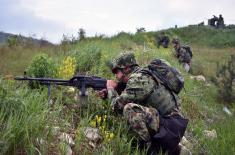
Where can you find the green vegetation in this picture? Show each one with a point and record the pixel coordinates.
(28, 121)
(41, 66)
(15, 60)
(225, 80)
(206, 36)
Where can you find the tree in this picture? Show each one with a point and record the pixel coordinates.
(140, 30)
(13, 41)
(81, 34)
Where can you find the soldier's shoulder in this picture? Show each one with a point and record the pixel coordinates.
(140, 80)
(139, 75)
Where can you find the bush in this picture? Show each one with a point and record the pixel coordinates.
(13, 41)
(88, 58)
(139, 38)
(42, 66)
(225, 80)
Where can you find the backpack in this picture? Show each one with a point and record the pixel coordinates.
(188, 50)
(169, 76)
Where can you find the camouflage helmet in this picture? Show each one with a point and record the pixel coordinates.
(123, 60)
(175, 41)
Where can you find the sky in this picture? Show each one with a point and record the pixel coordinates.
(50, 19)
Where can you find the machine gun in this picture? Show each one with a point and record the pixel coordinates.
(81, 82)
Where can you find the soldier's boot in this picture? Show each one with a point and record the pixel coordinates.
(176, 151)
(180, 150)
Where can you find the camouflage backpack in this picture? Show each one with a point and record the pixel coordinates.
(169, 76)
(188, 50)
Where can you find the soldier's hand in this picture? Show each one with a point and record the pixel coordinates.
(111, 84)
(103, 93)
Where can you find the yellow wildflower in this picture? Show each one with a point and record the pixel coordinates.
(67, 68)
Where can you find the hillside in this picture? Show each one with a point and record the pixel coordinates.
(206, 36)
(31, 124)
(4, 37)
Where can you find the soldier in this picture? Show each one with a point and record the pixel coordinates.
(220, 23)
(213, 21)
(183, 53)
(151, 110)
(163, 40)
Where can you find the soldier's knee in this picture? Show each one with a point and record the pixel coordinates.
(128, 106)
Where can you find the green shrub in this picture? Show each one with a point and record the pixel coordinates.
(225, 80)
(124, 41)
(139, 38)
(13, 41)
(42, 66)
(88, 58)
(123, 35)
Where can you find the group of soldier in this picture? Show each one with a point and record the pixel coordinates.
(182, 52)
(150, 108)
(216, 22)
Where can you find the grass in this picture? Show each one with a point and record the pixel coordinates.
(205, 36)
(206, 59)
(26, 116)
(15, 60)
(23, 117)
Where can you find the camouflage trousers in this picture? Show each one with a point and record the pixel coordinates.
(142, 120)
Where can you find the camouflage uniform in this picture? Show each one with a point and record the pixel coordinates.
(182, 55)
(142, 101)
(163, 40)
(220, 23)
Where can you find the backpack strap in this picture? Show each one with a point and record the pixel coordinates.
(174, 97)
(148, 72)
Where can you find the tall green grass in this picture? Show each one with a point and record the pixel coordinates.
(23, 116)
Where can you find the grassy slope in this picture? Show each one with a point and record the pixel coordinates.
(199, 102)
(14, 60)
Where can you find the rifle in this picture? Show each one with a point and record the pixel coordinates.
(81, 82)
